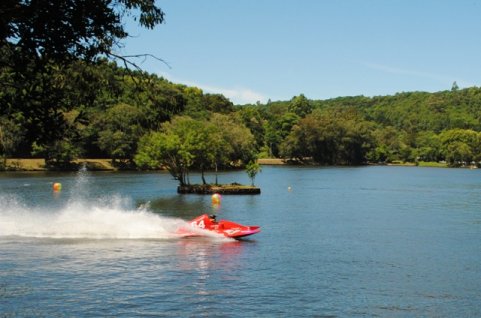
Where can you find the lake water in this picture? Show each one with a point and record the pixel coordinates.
(335, 242)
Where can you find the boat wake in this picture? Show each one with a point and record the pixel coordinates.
(107, 218)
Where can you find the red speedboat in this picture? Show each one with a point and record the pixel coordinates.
(204, 224)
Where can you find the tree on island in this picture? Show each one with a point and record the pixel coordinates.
(252, 169)
(184, 144)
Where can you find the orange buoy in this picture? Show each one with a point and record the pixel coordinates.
(216, 198)
(57, 186)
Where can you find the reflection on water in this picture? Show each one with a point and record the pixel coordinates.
(55, 272)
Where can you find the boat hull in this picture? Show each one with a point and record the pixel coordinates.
(204, 225)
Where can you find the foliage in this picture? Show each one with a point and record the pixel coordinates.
(69, 29)
(184, 144)
(460, 146)
(10, 137)
(252, 169)
(46, 50)
(337, 137)
(59, 154)
(300, 106)
(158, 150)
(119, 129)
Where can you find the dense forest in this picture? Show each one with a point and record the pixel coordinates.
(109, 111)
(406, 127)
(65, 94)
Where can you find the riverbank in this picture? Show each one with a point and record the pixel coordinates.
(24, 164)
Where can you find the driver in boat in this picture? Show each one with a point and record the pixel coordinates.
(213, 218)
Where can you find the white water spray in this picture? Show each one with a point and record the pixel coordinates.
(78, 219)
(83, 217)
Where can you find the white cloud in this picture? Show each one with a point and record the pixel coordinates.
(237, 95)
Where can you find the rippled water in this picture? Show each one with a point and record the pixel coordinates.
(335, 242)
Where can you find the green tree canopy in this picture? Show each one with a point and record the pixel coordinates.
(119, 129)
(184, 143)
(460, 146)
(41, 45)
(300, 106)
(330, 137)
(63, 30)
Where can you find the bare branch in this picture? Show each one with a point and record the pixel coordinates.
(126, 59)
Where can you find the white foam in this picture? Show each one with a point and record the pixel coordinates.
(103, 218)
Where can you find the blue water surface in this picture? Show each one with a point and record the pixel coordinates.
(335, 242)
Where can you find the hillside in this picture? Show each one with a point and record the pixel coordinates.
(101, 110)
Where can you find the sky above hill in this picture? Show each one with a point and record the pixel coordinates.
(255, 50)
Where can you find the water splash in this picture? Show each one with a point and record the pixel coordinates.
(83, 215)
(81, 212)
(105, 218)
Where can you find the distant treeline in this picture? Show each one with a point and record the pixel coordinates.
(407, 127)
(100, 110)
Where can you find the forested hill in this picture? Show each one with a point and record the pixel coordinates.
(410, 126)
(90, 110)
(80, 110)
(419, 111)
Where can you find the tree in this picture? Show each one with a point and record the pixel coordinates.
(119, 129)
(65, 30)
(460, 145)
(217, 103)
(40, 39)
(428, 146)
(59, 154)
(10, 137)
(300, 106)
(180, 145)
(185, 143)
(389, 145)
(455, 87)
(252, 169)
(458, 154)
(238, 143)
(158, 149)
(330, 137)
(251, 117)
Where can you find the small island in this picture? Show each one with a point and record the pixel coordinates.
(252, 169)
(233, 188)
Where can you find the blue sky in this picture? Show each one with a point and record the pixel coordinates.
(255, 50)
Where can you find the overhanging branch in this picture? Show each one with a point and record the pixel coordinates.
(127, 62)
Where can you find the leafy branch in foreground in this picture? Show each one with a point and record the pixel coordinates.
(41, 40)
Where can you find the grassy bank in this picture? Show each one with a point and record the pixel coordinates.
(23, 164)
(433, 164)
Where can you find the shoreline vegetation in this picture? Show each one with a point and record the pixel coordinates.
(27, 164)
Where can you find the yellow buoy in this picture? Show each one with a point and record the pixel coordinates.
(216, 198)
(57, 186)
